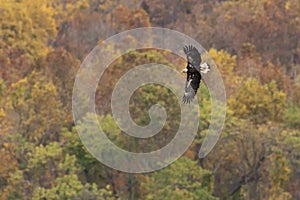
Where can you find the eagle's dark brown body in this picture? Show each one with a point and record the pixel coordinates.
(193, 70)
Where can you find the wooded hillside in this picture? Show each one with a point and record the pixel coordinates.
(256, 47)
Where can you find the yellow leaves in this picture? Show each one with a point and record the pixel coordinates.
(287, 5)
(38, 107)
(73, 8)
(53, 155)
(6, 145)
(223, 60)
(106, 5)
(2, 113)
(258, 102)
(280, 174)
(226, 64)
(27, 25)
(8, 168)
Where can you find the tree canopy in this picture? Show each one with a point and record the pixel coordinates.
(256, 47)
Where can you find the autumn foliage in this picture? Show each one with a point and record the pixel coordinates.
(256, 46)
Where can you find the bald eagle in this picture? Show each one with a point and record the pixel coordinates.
(193, 70)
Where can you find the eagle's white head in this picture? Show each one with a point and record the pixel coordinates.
(204, 68)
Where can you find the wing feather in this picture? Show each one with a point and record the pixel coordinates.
(193, 56)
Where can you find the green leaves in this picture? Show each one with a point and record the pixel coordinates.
(255, 45)
(292, 116)
(183, 179)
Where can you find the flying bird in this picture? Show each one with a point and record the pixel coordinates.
(193, 69)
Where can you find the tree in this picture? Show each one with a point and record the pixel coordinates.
(14, 62)
(247, 159)
(183, 179)
(53, 174)
(61, 68)
(31, 99)
(27, 26)
(227, 64)
(125, 18)
(290, 143)
(292, 116)
(258, 102)
(275, 19)
(8, 166)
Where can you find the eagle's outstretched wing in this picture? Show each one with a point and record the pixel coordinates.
(193, 56)
(191, 87)
(194, 69)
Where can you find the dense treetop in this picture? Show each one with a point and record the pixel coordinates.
(255, 45)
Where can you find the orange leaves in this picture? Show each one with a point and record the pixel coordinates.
(125, 18)
(8, 162)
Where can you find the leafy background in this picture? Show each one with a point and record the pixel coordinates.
(256, 47)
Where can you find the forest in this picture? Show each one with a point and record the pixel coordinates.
(256, 47)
